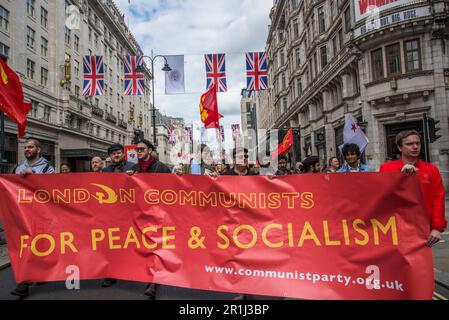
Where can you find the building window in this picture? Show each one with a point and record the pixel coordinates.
(299, 84)
(295, 28)
(412, 55)
(76, 67)
(334, 46)
(4, 50)
(30, 69)
(76, 43)
(44, 17)
(77, 91)
(315, 64)
(44, 47)
(4, 19)
(340, 38)
(393, 54)
(44, 77)
(295, 4)
(30, 37)
(323, 54)
(321, 20)
(284, 83)
(67, 35)
(377, 62)
(298, 57)
(30, 7)
(347, 20)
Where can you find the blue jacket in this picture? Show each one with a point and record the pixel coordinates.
(362, 168)
(40, 166)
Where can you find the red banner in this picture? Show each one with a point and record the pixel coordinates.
(326, 236)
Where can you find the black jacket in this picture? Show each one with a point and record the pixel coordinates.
(156, 167)
(122, 167)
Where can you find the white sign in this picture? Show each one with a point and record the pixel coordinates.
(396, 17)
(366, 8)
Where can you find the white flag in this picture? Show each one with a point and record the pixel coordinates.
(174, 79)
(353, 134)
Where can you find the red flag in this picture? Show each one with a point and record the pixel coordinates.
(11, 97)
(285, 146)
(209, 109)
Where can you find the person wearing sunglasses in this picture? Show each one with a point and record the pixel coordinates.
(147, 162)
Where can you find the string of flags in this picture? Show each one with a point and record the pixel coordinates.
(134, 79)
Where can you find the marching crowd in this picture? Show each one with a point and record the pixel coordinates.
(408, 143)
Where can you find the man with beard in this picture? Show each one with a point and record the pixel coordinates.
(118, 163)
(311, 164)
(282, 167)
(96, 164)
(409, 144)
(34, 164)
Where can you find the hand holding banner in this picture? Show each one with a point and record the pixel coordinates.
(303, 236)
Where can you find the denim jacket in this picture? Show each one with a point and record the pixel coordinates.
(362, 168)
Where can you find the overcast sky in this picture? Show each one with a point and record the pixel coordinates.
(194, 28)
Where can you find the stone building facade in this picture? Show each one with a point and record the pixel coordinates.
(387, 69)
(37, 37)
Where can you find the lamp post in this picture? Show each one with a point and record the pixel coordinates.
(140, 69)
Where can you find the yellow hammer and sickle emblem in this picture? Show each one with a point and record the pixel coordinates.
(4, 76)
(108, 197)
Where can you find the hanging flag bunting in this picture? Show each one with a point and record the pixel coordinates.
(256, 71)
(216, 71)
(134, 80)
(209, 109)
(222, 133)
(174, 79)
(235, 131)
(93, 76)
(11, 98)
(188, 134)
(172, 136)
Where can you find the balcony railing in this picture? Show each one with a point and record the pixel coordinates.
(97, 111)
(111, 118)
(122, 124)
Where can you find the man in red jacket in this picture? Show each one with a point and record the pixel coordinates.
(409, 144)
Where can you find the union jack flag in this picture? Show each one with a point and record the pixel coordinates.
(134, 81)
(188, 134)
(235, 131)
(93, 76)
(172, 136)
(216, 71)
(256, 71)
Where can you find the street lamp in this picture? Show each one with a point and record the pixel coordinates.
(141, 69)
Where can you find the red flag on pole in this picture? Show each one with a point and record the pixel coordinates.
(285, 146)
(209, 109)
(11, 97)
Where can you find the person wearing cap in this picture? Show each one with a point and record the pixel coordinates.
(147, 162)
(351, 153)
(118, 163)
(311, 164)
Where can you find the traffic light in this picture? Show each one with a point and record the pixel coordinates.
(433, 129)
